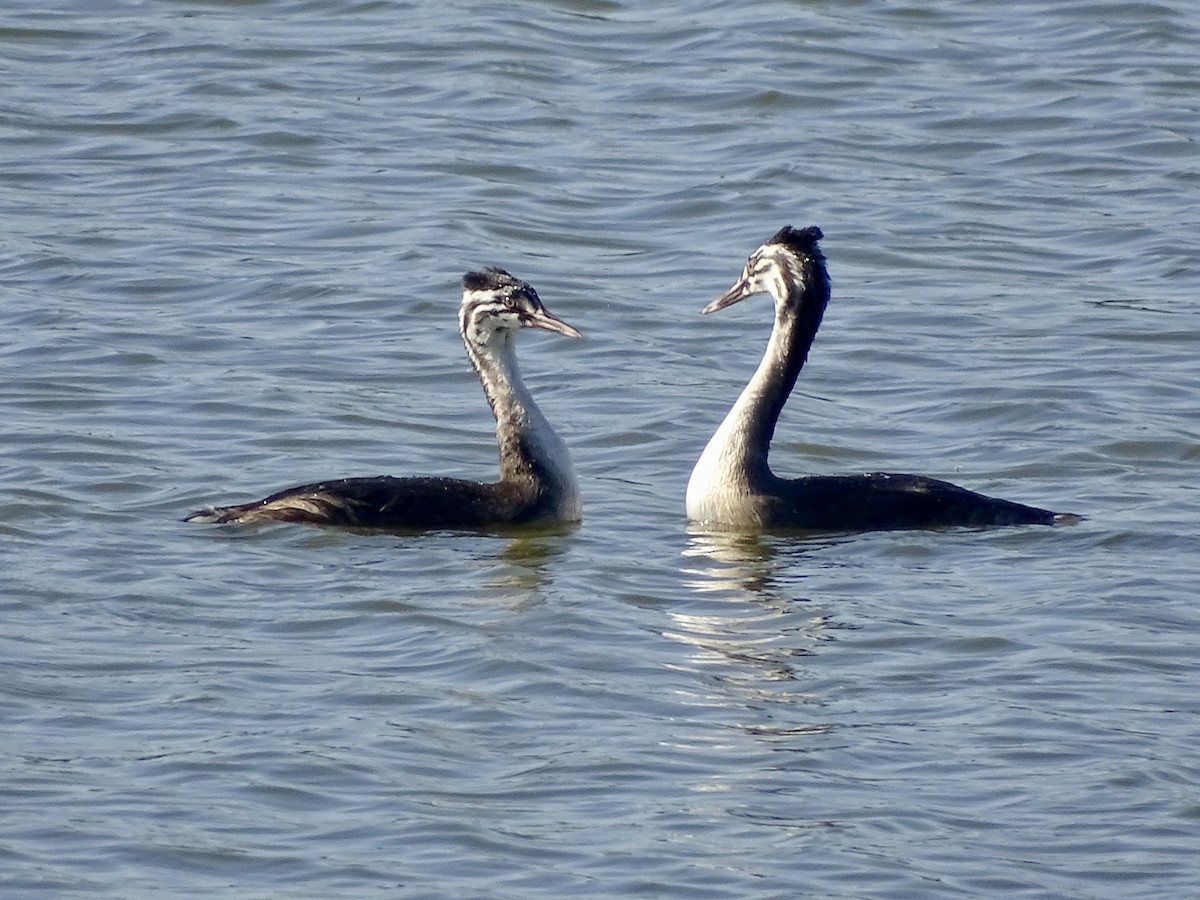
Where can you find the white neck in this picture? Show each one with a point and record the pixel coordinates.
(529, 447)
(732, 473)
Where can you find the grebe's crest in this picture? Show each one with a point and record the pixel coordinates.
(801, 241)
(494, 279)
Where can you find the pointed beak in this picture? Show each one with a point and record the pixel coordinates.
(740, 291)
(543, 320)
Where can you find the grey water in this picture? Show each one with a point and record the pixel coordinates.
(231, 242)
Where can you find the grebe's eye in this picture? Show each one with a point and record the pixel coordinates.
(510, 302)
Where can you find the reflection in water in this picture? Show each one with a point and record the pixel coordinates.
(751, 645)
(521, 569)
(747, 631)
(735, 559)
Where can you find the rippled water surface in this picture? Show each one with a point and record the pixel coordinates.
(233, 235)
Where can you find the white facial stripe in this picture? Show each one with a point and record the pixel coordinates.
(484, 315)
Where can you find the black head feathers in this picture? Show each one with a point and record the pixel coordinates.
(799, 240)
(488, 280)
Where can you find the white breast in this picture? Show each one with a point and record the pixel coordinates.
(717, 490)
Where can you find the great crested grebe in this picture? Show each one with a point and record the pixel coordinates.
(732, 484)
(537, 481)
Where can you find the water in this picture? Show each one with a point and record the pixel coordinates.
(232, 239)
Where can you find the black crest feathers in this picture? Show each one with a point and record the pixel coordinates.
(800, 240)
(488, 280)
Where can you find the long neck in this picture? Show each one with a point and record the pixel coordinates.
(738, 449)
(529, 448)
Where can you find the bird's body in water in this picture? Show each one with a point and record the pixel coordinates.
(537, 481)
(732, 485)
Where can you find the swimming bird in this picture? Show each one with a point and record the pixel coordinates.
(537, 481)
(733, 486)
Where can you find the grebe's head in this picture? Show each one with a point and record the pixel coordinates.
(495, 305)
(789, 265)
